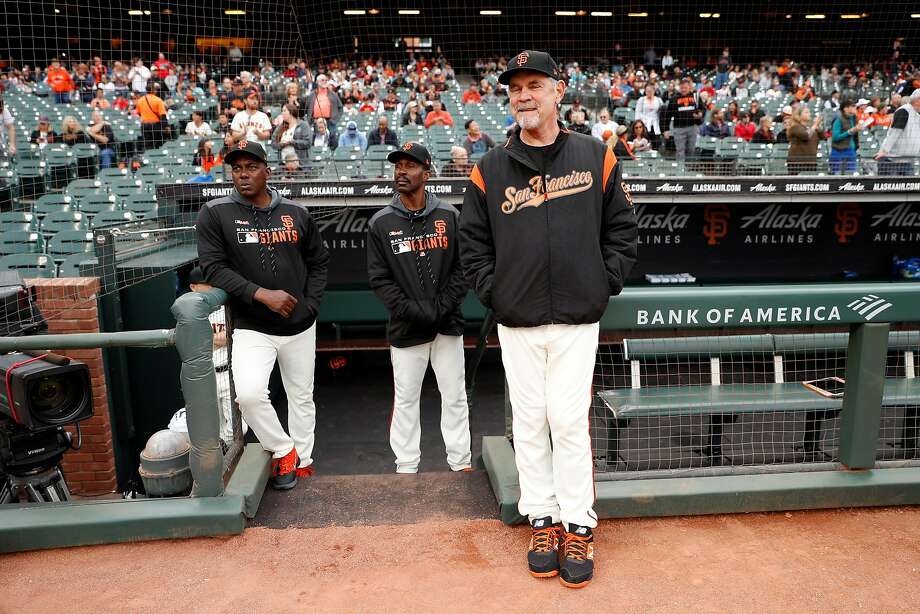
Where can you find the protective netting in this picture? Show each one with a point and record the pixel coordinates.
(331, 88)
(665, 406)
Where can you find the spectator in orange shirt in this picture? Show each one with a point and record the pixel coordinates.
(151, 110)
(438, 116)
(99, 69)
(60, 82)
(472, 96)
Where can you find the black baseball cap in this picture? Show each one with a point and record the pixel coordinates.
(413, 150)
(246, 148)
(536, 61)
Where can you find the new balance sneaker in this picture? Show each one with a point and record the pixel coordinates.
(543, 554)
(305, 472)
(284, 471)
(577, 554)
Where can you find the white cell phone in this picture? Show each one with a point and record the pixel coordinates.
(830, 387)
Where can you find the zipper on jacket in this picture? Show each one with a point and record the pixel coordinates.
(549, 251)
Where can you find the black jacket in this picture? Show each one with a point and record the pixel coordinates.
(413, 265)
(243, 248)
(683, 109)
(556, 257)
(373, 138)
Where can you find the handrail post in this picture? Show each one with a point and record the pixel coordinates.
(862, 400)
(194, 342)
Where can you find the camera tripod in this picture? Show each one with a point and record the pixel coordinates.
(37, 486)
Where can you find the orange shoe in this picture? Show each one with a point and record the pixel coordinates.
(305, 472)
(284, 471)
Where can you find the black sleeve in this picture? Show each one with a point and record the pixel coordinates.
(619, 232)
(381, 277)
(212, 254)
(453, 293)
(899, 120)
(316, 257)
(477, 251)
(666, 114)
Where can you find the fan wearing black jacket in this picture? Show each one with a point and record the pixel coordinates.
(413, 265)
(266, 252)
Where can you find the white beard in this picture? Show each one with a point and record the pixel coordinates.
(529, 121)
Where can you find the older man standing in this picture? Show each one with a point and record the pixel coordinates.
(548, 203)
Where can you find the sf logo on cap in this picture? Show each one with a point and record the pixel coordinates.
(522, 58)
(407, 146)
(243, 144)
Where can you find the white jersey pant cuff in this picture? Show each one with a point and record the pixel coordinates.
(409, 366)
(254, 356)
(550, 370)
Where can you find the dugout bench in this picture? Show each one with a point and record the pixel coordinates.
(721, 403)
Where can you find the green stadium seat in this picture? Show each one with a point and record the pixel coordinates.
(69, 242)
(348, 154)
(29, 265)
(18, 220)
(49, 203)
(31, 179)
(106, 219)
(64, 220)
(97, 203)
(86, 156)
(70, 265)
(142, 205)
(21, 242)
(108, 174)
(60, 168)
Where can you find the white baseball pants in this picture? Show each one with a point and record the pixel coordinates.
(254, 356)
(225, 402)
(409, 367)
(550, 371)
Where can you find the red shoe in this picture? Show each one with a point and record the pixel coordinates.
(305, 472)
(284, 471)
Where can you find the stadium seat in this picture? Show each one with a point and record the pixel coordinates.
(49, 203)
(97, 203)
(60, 168)
(21, 242)
(18, 220)
(141, 205)
(107, 174)
(29, 265)
(86, 156)
(70, 265)
(348, 154)
(64, 220)
(112, 218)
(31, 178)
(69, 242)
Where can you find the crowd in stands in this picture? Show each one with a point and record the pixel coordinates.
(660, 104)
(649, 104)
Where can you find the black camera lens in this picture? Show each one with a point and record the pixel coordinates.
(57, 399)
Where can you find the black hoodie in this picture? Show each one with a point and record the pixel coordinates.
(537, 256)
(413, 266)
(243, 248)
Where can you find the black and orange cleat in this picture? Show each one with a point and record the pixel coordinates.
(543, 553)
(284, 471)
(577, 554)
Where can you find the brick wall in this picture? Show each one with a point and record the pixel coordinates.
(70, 306)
